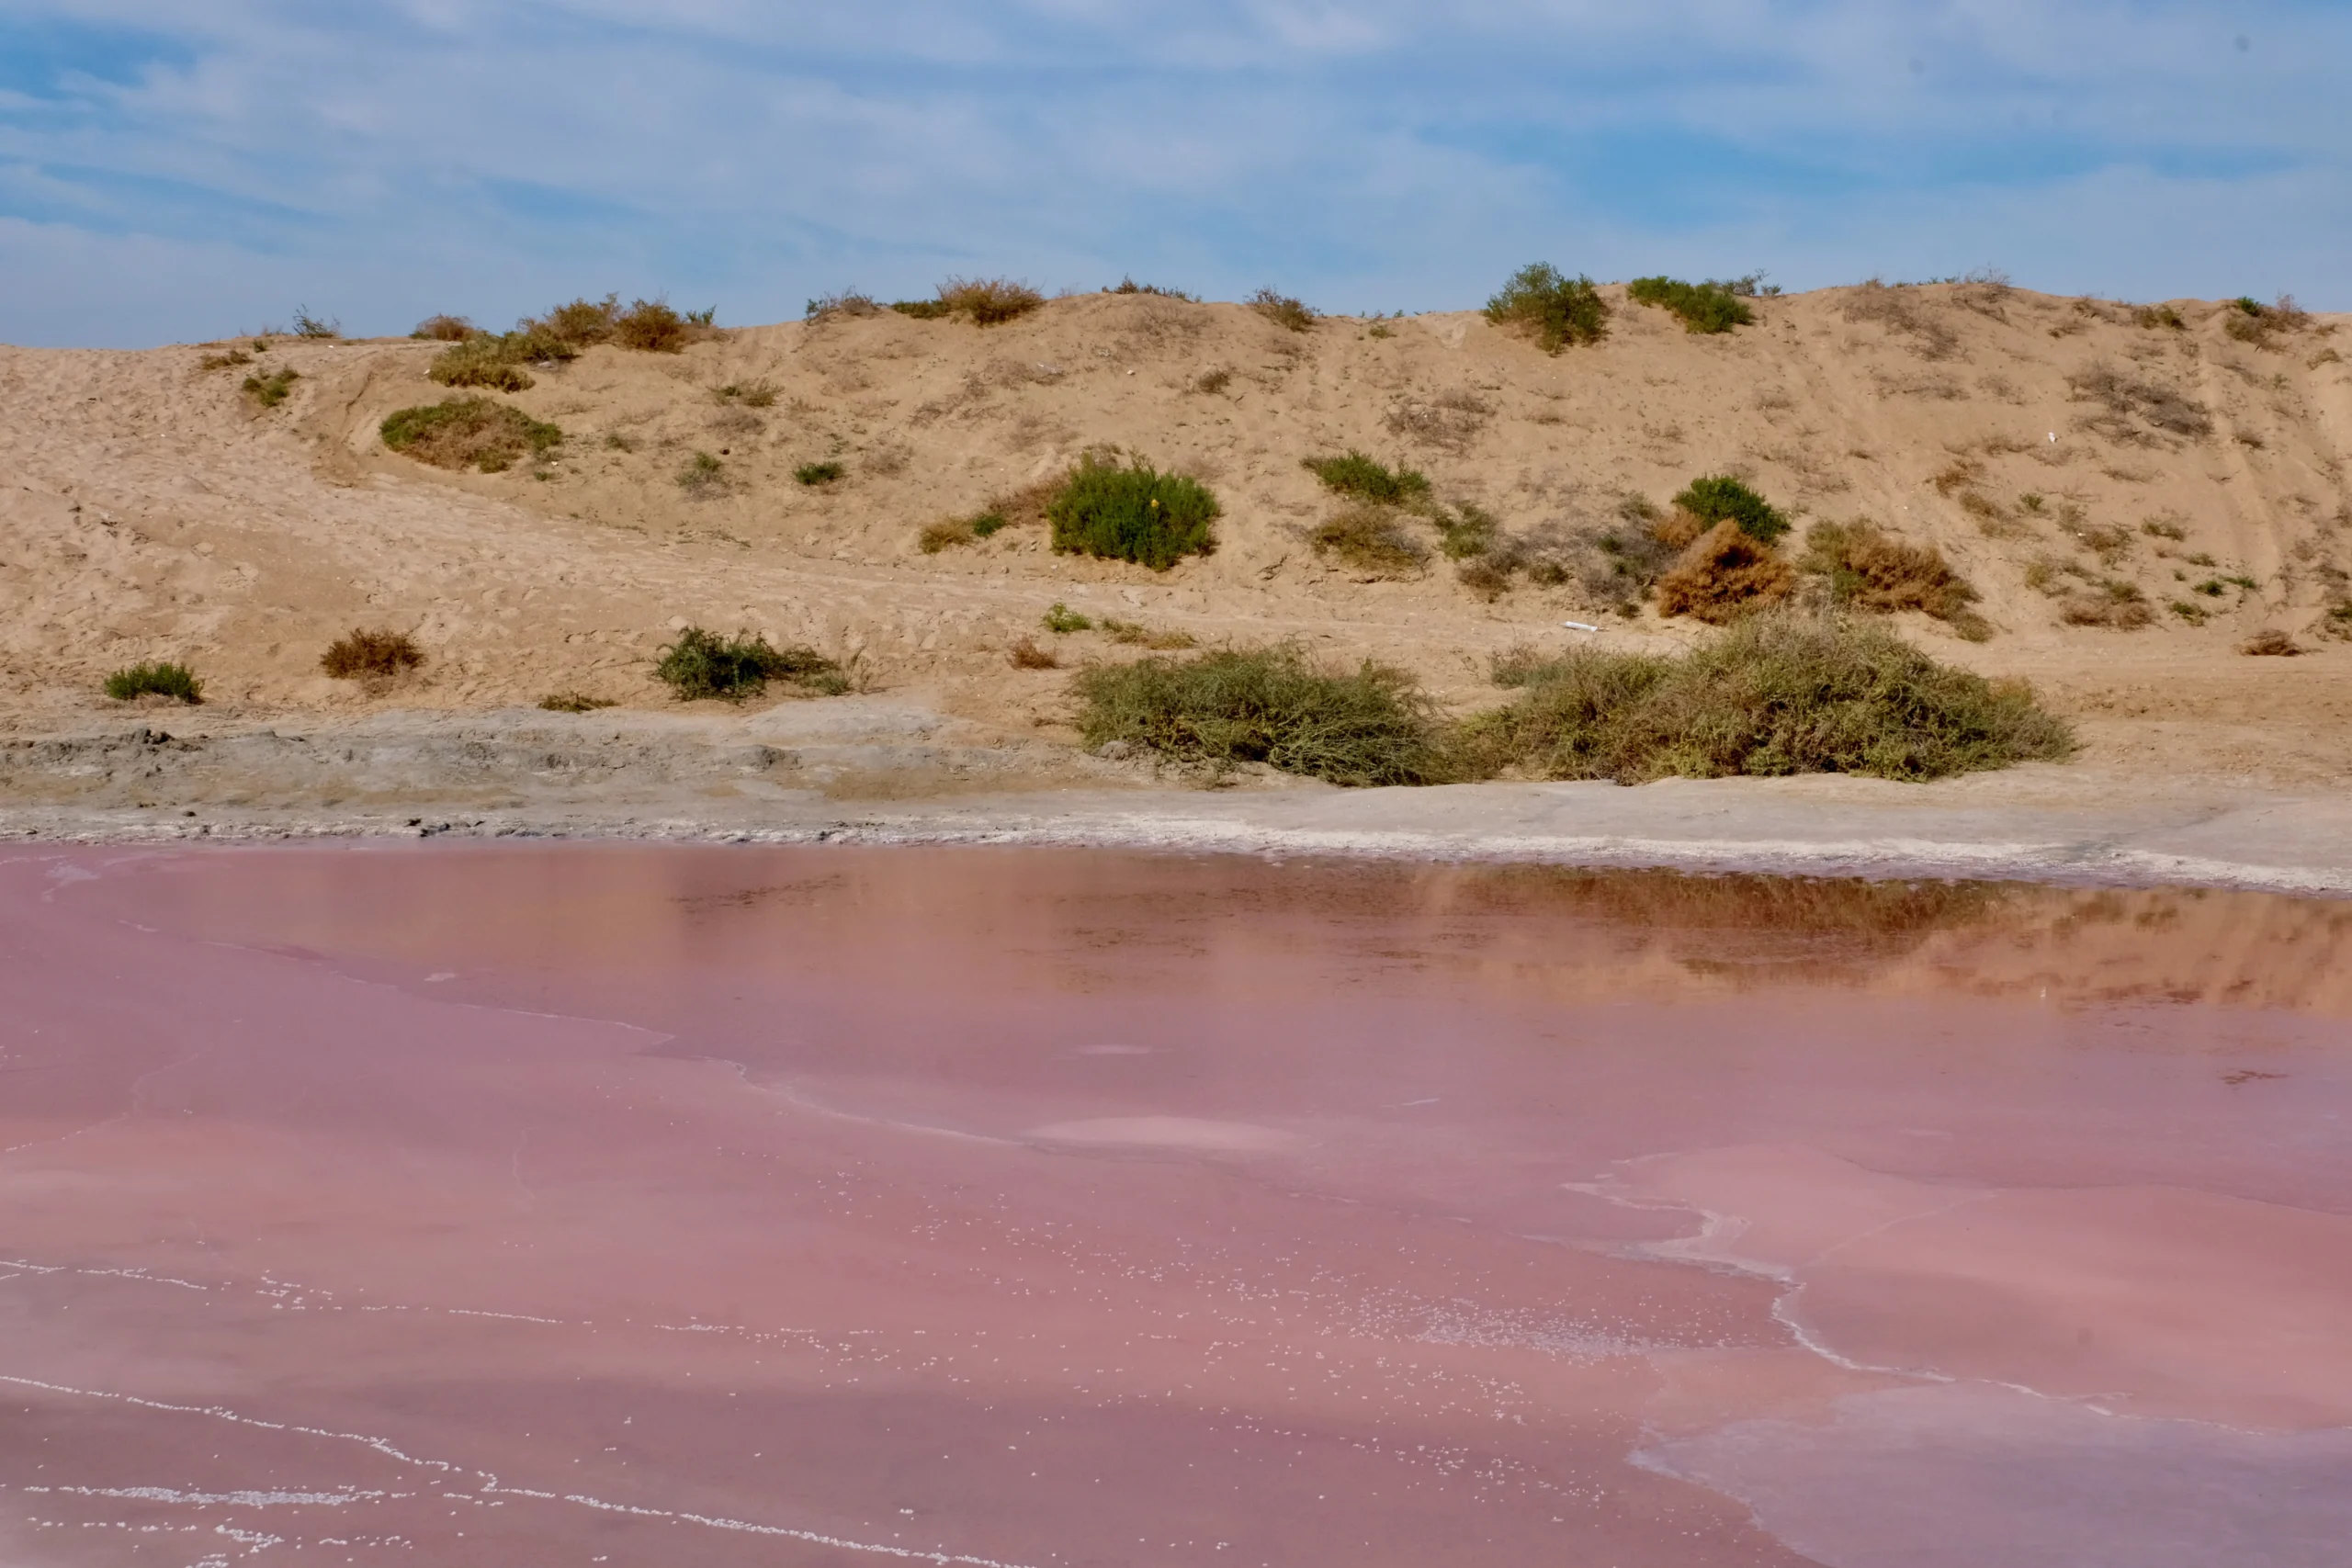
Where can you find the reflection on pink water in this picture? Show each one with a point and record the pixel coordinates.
(650, 1205)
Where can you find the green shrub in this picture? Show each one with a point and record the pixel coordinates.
(1281, 309)
(703, 664)
(1357, 475)
(460, 433)
(1557, 308)
(1869, 569)
(1135, 514)
(1062, 620)
(1372, 726)
(1466, 531)
(164, 680)
(989, 522)
(1709, 307)
(702, 475)
(821, 474)
(1774, 694)
(379, 653)
(985, 302)
(273, 389)
(1722, 498)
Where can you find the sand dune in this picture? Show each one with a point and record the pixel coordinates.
(151, 511)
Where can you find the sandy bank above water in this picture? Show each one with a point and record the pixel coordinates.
(894, 770)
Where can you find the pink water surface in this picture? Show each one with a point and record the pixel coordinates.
(537, 1204)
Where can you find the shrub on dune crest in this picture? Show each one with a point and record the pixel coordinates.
(1709, 307)
(1557, 310)
(983, 301)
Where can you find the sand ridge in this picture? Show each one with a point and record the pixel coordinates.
(155, 513)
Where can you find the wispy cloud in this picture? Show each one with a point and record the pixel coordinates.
(171, 171)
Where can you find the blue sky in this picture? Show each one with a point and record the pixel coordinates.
(176, 171)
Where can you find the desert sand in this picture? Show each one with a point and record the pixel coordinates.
(152, 511)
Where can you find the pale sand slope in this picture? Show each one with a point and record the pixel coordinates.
(148, 511)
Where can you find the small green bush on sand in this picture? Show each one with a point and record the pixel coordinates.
(1368, 478)
(1723, 498)
(1134, 513)
(461, 433)
(1558, 310)
(1371, 726)
(164, 680)
(704, 665)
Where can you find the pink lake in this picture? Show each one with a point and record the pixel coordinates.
(499, 1206)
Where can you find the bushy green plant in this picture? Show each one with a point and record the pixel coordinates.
(493, 362)
(821, 474)
(273, 389)
(1775, 693)
(460, 433)
(164, 680)
(1710, 307)
(1557, 308)
(1368, 478)
(1135, 514)
(1721, 498)
(1281, 309)
(704, 665)
(1370, 726)
(1062, 620)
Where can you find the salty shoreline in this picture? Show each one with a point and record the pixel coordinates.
(878, 772)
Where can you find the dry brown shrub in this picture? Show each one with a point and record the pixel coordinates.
(1723, 575)
(362, 652)
(1959, 471)
(1450, 421)
(2270, 642)
(989, 301)
(1371, 539)
(947, 533)
(1678, 528)
(1869, 569)
(2121, 397)
(2118, 606)
(1025, 507)
(444, 328)
(1026, 655)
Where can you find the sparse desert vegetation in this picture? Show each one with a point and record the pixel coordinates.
(825, 473)
(574, 702)
(176, 681)
(702, 664)
(365, 653)
(468, 432)
(1869, 569)
(1724, 574)
(1723, 498)
(1283, 310)
(983, 301)
(270, 389)
(1370, 539)
(446, 328)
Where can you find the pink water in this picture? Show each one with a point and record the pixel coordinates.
(654, 1206)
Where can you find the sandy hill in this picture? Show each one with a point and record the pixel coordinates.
(2066, 455)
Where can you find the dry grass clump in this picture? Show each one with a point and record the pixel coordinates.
(2250, 321)
(2121, 397)
(574, 702)
(496, 361)
(491, 363)
(1281, 309)
(363, 654)
(1027, 507)
(1869, 569)
(849, 302)
(2270, 643)
(1724, 574)
(1370, 538)
(983, 301)
(815, 474)
(317, 328)
(1775, 695)
(1450, 421)
(1129, 286)
(1274, 705)
(1898, 310)
(1134, 634)
(748, 394)
(446, 328)
(1026, 655)
(1554, 308)
(224, 360)
(176, 681)
(461, 433)
(272, 389)
(947, 533)
(702, 475)
(704, 665)
(1133, 513)
(2109, 603)
(1713, 306)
